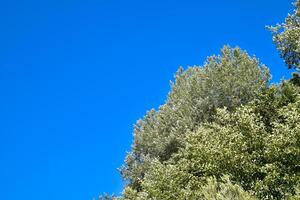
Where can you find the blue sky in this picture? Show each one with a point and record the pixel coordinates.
(76, 75)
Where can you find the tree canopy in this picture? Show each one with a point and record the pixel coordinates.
(224, 132)
(227, 80)
(256, 146)
(286, 37)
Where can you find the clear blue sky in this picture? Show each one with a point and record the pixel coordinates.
(76, 75)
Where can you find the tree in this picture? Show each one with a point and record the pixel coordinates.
(157, 185)
(257, 146)
(286, 36)
(230, 79)
(223, 132)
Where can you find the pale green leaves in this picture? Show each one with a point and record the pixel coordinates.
(286, 36)
(227, 80)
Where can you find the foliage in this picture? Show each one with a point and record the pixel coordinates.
(224, 190)
(259, 152)
(230, 79)
(223, 132)
(286, 36)
(158, 185)
(108, 197)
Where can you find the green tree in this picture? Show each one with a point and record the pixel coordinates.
(230, 79)
(286, 36)
(258, 146)
(158, 185)
(223, 133)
